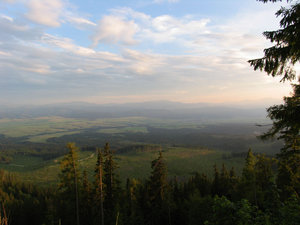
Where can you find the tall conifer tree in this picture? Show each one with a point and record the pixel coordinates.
(69, 178)
(99, 183)
(111, 187)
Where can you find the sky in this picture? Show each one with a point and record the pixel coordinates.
(54, 51)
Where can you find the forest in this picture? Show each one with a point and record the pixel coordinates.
(266, 193)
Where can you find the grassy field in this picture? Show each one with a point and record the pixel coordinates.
(40, 129)
(124, 130)
(181, 162)
(44, 137)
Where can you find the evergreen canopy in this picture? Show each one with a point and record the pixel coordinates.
(280, 59)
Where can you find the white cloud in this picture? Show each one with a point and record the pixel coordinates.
(160, 29)
(51, 13)
(114, 30)
(167, 29)
(45, 12)
(80, 21)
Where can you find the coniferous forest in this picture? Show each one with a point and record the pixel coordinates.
(267, 192)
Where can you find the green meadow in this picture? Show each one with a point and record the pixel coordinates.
(181, 162)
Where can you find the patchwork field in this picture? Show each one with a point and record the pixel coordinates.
(42, 128)
(33, 147)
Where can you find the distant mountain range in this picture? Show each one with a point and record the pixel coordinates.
(159, 110)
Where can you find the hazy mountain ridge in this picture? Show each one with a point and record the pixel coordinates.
(162, 110)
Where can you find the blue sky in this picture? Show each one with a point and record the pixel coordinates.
(133, 51)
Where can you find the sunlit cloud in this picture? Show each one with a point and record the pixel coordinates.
(45, 12)
(114, 30)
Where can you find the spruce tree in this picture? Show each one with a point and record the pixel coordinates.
(99, 190)
(248, 182)
(280, 58)
(158, 192)
(86, 200)
(286, 127)
(69, 181)
(158, 179)
(216, 184)
(112, 186)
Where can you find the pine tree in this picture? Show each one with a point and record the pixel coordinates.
(130, 202)
(99, 190)
(86, 200)
(279, 61)
(225, 182)
(112, 186)
(158, 179)
(285, 53)
(158, 192)
(286, 127)
(69, 177)
(216, 184)
(202, 183)
(248, 181)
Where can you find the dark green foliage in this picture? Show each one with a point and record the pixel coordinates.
(282, 56)
(201, 184)
(139, 148)
(227, 199)
(279, 60)
(86, 200)
(216, 184)
(199, 209)
(69, 186)
(25, 204)
(111, 187)
(158, 180)
(290, 211)
(224, 183)
(286, 126)
(225, 212)
(158, 192)
(99, 190)
(130, 206)
(286, 121)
